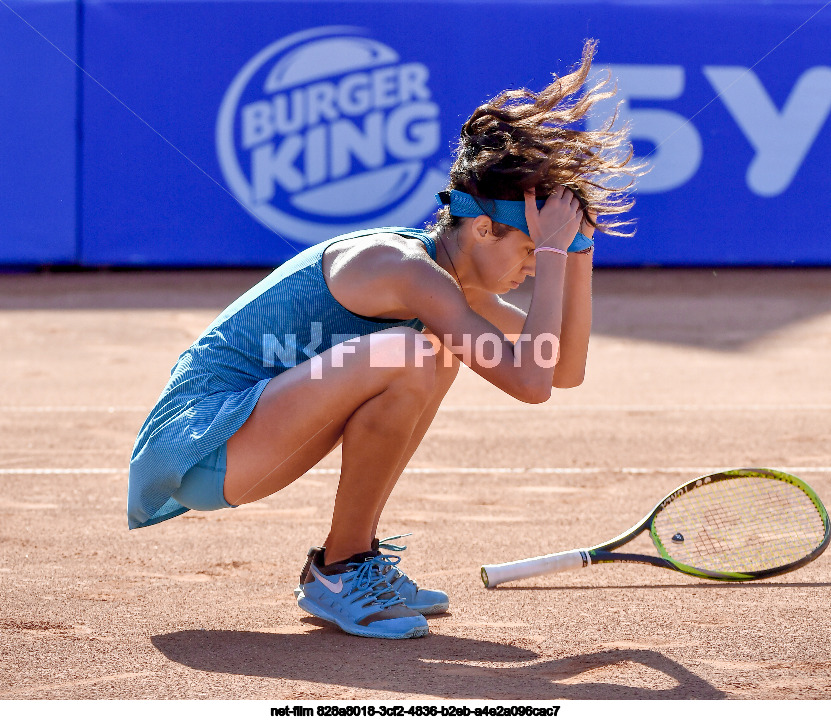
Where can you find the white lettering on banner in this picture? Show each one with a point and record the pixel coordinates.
(781, 139)
(413, 131)
(327, 150)
(366, 144)
(326, 131)
(355, 95)
(268, 166)
(677, 153)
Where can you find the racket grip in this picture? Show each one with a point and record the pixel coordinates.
(538, 566)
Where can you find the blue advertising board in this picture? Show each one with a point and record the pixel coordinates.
(238, 132)
(38, 133)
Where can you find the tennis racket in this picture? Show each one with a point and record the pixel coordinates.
(731, 526)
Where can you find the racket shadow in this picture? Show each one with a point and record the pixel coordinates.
(711, 585)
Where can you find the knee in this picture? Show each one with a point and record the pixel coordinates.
(410, 358)
(419, 381)
(447, 367)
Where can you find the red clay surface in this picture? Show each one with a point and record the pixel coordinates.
(689, 371)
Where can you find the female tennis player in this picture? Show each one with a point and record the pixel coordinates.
(356, 341)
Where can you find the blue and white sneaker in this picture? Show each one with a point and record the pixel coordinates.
(424, 600)
(355, 596)
(310, 556)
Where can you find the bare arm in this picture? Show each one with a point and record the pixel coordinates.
(388, 280)
(505, 316)
(577, 321)
(435, 298)
(524, 369)
(576, 324)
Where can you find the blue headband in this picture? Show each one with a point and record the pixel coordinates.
(509, 212)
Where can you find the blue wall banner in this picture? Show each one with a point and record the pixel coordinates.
(238, 132)
(38, 141)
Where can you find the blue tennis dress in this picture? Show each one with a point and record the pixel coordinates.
(282, 321)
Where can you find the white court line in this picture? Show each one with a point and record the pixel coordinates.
(649, 408)
(447, 470)
(74, 409)
(492, 408)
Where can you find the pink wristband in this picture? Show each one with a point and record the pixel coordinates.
(549, 248)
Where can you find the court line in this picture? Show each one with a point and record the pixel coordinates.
(553, 408)
(451, 470)
(74, 409)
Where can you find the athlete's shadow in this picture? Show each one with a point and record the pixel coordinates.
(730, 309)
(442, 666)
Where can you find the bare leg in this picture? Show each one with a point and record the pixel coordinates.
(447, 368)
(298, 419)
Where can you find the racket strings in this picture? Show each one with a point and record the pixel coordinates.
(740, 524)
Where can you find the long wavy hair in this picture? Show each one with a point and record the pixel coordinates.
(521, 140)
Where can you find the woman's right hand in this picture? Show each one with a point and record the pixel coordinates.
(557, 222)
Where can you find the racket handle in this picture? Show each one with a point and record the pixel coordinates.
(538, 566)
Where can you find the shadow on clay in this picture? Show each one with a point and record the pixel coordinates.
(442, 666)
(728, 310)
(725, 309)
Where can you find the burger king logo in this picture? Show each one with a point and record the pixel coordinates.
(328, 131)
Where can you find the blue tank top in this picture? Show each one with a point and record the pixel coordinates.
(282, 321)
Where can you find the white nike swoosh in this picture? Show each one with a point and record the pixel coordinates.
(333, 587)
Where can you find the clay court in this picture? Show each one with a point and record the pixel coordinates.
(689, 372)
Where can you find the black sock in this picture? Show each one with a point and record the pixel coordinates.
(356, 558)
